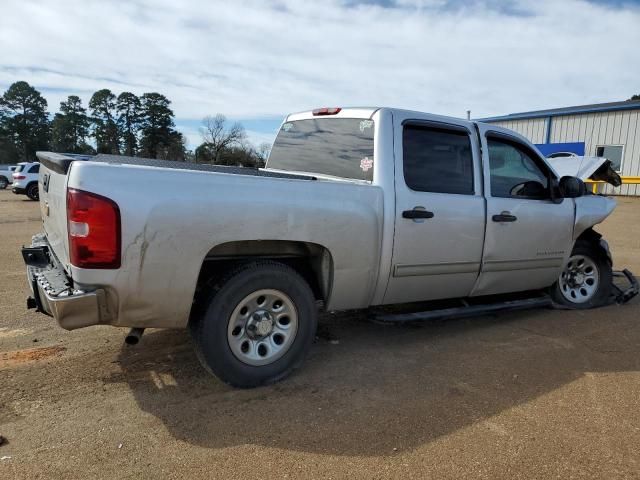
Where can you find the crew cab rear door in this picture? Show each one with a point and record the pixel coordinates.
(439, 213)
(528, 236)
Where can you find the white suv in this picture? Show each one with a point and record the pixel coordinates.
(25, 180)
(6, 175)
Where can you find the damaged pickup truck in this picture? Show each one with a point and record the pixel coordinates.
(357, 207)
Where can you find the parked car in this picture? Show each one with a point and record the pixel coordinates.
(356, 207)
(561, 155)
(6, 175)
(25, 179)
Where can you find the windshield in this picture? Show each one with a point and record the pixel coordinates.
(340, 147)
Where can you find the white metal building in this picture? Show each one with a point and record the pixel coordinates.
(610, 130)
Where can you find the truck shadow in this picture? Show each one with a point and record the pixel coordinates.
(372, 388)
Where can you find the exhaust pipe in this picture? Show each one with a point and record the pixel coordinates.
(133, 337)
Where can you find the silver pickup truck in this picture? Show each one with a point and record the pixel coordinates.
(357, 207)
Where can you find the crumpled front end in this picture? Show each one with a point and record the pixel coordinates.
(586, 168)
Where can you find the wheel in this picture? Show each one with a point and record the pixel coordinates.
(4, 183)
(32, 192)
(585, 281)
(257, 325)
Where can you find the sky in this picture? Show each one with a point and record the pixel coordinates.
(256, 61)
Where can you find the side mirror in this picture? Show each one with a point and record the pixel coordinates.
(572, 187)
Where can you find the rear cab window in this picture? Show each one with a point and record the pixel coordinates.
(337, 147)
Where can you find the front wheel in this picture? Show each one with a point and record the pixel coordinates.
(32, 192)
(258, 325)
(585, 281)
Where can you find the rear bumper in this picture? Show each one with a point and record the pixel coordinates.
(53, 291)
(19, 190)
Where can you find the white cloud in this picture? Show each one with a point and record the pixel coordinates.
(253, 58)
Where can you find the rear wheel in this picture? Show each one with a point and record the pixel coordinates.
(33, 192)
(585, 281)
(4, 183)
(257, 326)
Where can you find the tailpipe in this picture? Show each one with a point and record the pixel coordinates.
(133, 337)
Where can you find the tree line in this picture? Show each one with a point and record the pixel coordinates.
(125, 124)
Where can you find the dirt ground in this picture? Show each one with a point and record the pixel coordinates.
(538, 394)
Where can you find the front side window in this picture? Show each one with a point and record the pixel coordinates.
(514, 172)
(437, 160)
(613, 153)
(340, 147)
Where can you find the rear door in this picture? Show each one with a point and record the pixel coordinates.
(528, 236)
(440, 212)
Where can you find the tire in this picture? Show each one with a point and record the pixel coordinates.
(244, 336)
(32, 192)
(4, 183)
(585, 282)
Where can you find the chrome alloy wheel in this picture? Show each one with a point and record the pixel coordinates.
(580, 279)
(262, 327)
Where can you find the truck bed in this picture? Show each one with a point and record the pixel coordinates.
(60, 163)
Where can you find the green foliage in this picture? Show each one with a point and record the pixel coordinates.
(129, 117)
(635, 97)
(158, 138)
(24, 123)
(105, 126)
(70, 127)
(126, 124)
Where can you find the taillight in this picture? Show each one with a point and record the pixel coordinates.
(326, 111)
(19, 177)
(93, 223)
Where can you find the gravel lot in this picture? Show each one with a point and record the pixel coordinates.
(539, 394)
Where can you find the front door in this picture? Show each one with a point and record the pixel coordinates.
(440, 212)
(528, 236)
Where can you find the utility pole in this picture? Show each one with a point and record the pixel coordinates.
(468, 114)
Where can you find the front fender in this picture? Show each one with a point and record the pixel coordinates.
(591, 210)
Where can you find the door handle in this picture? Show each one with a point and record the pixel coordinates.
(416, 214)
(504, 217)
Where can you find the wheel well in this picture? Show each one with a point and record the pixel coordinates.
(590, 235)
(312, 261)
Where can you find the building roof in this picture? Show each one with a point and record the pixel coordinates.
(556, 112)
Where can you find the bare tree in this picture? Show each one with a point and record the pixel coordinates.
(263, 153)
(218, 136)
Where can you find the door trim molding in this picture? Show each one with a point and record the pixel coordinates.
(530, 264)
(418, 270)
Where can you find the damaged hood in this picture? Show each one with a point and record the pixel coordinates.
(585, 168)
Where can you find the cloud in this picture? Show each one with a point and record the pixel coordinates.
(262, 59)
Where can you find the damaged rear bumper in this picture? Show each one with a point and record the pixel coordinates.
(53, 292)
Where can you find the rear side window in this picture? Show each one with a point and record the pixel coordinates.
(35, 169)
(341, 147)
(437, 160)
(19, 168)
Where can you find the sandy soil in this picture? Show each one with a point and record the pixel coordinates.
(538, 394)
